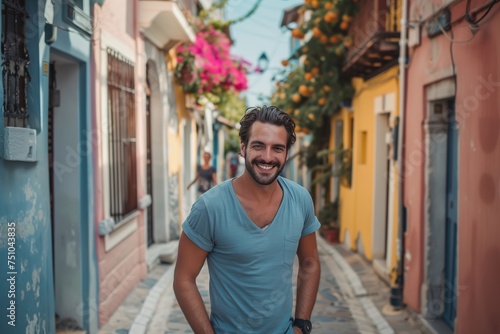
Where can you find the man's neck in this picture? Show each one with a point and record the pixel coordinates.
(255, 190)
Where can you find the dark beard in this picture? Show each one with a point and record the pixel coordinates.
(262, 180)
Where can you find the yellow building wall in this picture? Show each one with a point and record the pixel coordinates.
(356, 201)
(175, 144)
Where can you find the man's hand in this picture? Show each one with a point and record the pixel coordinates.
(297, 330)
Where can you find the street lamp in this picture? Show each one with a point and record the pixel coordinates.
(262, 63)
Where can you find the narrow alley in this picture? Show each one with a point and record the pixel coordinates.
(351, 299)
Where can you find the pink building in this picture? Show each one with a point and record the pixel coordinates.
(136, 193)
(119, 152)
(452, 164)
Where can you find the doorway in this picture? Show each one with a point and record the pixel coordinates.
(450, 269)
(383, 196)
(65, 165)
(149, 160)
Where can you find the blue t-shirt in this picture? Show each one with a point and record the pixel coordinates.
(250, 268)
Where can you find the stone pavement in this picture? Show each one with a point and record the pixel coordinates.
(351, 299)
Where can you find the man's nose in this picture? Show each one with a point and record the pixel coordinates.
(267, 154)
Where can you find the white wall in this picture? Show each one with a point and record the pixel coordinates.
(67, 164)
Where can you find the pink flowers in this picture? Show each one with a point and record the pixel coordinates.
(206, 66)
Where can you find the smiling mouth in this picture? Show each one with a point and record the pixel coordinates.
(265, 167)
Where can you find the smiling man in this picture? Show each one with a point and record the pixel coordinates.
(249, 229)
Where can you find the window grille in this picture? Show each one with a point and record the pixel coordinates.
(122, 137)
(15, 60)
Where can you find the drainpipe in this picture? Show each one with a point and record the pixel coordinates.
(396, 298)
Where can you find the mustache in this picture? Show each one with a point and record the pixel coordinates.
(262, 162)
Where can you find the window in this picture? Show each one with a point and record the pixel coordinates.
(350, 149)
(363, 147)
(78, 3)
(122, 141)
(15, 61)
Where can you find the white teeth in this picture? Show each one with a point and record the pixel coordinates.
(265, 167)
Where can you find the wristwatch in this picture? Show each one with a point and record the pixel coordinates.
(304, 325)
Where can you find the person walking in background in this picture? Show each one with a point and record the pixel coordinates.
(250, 229)
(206, 175)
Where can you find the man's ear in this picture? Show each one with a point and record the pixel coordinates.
(242, 150)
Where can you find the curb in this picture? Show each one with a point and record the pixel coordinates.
(358, 289)
(141, 321)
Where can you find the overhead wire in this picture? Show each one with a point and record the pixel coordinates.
(473, 25)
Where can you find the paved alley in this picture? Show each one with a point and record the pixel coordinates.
(351, 299)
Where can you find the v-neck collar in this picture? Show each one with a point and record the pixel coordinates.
(250, 221)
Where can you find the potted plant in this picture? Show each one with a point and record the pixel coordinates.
(328, 217)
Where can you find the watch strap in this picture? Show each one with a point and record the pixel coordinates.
(304, 325)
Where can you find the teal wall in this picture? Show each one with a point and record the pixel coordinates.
(25, 194)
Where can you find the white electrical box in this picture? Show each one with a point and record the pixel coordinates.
(19, 144)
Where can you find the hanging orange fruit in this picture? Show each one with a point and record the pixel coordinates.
(308, 76)
(315, 3)
(334, 39)
(304, 91)
(348, 41)
(315, 71)
(328, 5)
(346, 18)
(344, 25)
(297, 33)
(316, 32)
(322, 101)
(296, 98)
(284, 62)
(331, 16)
(327, 88)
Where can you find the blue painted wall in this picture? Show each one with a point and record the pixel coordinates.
(25, 195)
(24, 203)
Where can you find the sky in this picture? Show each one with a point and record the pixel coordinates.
(260, 33)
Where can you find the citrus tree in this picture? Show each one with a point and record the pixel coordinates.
(314, 87)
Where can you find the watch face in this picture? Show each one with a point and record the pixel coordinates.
(304, 325)
(307, 326)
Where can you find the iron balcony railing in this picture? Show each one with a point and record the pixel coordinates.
(375, 32)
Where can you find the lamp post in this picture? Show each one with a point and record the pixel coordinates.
(261, 68)
(262, 64)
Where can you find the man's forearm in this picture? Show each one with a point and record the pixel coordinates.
(191, 303)
(307, 287)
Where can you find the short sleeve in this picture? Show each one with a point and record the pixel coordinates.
(197, 226)
(311, 222)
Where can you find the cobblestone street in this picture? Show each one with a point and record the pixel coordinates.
(351, 299)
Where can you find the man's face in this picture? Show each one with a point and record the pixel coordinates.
(266, 153)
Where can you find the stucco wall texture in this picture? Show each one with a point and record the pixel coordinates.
(477, 100)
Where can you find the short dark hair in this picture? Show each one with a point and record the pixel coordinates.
(267, 114)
